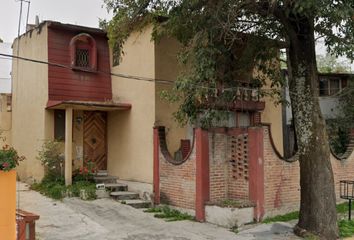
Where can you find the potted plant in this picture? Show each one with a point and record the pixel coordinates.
(9, 158)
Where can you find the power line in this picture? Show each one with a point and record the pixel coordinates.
(9, 56)
(134, 77)
(139, 78)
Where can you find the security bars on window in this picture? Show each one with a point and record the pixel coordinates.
(82, 58)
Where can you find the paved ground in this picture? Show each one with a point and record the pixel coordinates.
(105, 219)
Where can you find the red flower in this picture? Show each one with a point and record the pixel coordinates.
(5, 164)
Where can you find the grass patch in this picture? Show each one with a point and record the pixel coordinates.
(346, 228)
(153, 210)
(344, 207)
(56, 189)
(341, 208)
(282, 218)
(169, 214)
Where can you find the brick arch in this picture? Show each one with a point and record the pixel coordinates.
(295, 157)
(84, 41)
(166, 153)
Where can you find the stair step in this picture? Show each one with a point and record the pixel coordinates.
(137, 203)
(101, 173)
(123, 195)
(105, 179)
(117, 186)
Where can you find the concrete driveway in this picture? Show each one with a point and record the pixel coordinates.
(105, 219)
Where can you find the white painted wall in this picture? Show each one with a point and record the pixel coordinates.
(5, 68)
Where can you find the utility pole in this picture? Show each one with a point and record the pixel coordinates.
(20, 16)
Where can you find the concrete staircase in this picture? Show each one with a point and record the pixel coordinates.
(119, 191)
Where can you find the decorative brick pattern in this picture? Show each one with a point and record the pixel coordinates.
(228, 161)
(267, 179)
(239, 156)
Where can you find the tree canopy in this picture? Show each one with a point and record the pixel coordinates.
(221, 38)
(330, 64)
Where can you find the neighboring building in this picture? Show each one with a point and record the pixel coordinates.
(330, 85)
(5, 94)
(5, 68)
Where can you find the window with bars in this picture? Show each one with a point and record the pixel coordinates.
(82, 58)
(83, 52)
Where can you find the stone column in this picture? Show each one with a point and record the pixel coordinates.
(202, 173)
(256, 170)
(68, 145)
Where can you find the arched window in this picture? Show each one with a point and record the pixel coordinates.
(83, 52)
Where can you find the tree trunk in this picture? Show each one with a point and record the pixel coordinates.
(318, 202)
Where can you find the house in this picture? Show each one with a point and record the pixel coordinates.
(68, 101)
(115, 117)
(98, 111)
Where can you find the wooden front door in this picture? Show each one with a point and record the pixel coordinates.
(95, 140)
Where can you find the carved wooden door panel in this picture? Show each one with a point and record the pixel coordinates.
(95, 140)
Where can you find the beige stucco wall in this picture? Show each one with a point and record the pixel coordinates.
(5, 120)
(273, 114)
(30, 93)
(168, 68)
(130, 133)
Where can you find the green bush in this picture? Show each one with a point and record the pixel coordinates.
(52, 159)
(56, 189)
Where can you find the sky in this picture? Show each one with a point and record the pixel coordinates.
(80, 12)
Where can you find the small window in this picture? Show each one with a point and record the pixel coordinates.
(329, 86)
(324, 88)
(9, 103)
(83, 52)
(334, 84)
(82, 58)
(59, 125)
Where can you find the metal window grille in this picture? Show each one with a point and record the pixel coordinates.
(347, 189)
(347, 192)
(82, 58)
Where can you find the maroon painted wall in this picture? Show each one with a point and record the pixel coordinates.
(68, 84)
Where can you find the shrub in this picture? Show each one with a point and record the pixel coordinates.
(57, 189)
(85, 173)
(9, 158)
(52, 159)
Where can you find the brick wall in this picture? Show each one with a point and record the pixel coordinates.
(282, 179)
(228, 165)
(218, 164)
(178, 182)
